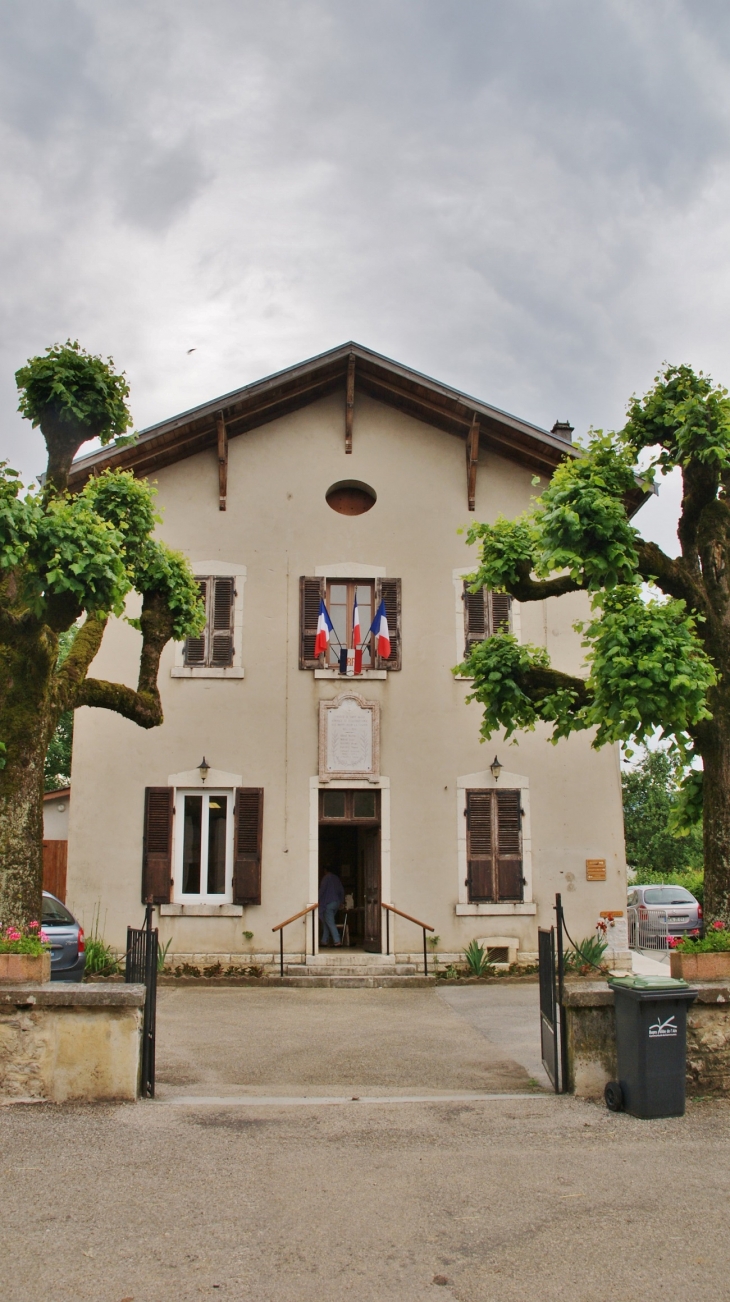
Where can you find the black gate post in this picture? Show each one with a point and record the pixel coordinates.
(561, 1005)
(548, 1005)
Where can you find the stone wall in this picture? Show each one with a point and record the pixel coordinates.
(67, 1042)
(592, 1038)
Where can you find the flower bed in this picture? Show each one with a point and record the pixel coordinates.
(706, 958)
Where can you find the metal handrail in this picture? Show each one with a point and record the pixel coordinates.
(390, 908)
(280, 928)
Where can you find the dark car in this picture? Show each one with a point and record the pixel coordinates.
(66, 937)
(683, 911)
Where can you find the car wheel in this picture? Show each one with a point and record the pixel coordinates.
(613, 1094)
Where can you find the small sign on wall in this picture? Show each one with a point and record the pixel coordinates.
(595, 870)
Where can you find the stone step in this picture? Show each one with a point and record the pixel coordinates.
(352, 969)
(356, 982)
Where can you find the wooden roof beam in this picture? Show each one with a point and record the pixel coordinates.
(222, 461)
(472, 461)
(349, 402)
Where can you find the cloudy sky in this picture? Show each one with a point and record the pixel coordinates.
(528, 199)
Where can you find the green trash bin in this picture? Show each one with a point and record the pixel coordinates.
(651, 1045)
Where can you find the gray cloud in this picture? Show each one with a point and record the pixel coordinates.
(526, 198)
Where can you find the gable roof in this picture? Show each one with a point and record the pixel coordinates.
(265, 400)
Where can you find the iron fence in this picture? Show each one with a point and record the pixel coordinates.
(648, 928)
(141, 969)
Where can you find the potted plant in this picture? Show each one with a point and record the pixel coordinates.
(698, 959)
(25, 954)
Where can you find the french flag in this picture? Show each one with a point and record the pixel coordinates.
(356, 634)
(379, 628)
(324, 628)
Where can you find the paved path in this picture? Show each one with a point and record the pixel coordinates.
(281, 1041)
(479, 1199)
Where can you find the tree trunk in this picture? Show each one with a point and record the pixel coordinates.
(27, 659)
(716, 817)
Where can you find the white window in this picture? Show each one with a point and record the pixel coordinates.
(203, 847)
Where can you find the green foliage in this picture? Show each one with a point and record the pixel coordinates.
(686, 415)
(650, 797)
(57, 764)
(162, 955)
(94, 548)
(101, 959)
(477, 959)
(23, 940)
(72, 389)
(587, 955)
(715, 941)
(647, 668)
(499, 667)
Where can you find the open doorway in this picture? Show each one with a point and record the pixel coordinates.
(349, 845)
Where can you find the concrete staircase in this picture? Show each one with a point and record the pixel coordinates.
(350, 969)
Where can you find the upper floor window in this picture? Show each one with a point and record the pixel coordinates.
(214, 648)
(485, 613)
(340, 599)
(339, 596)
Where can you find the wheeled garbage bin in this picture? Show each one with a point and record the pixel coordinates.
(651, 1045)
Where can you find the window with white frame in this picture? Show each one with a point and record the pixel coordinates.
(204, 846)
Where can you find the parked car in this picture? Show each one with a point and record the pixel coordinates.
(66, 936)
(684, 912)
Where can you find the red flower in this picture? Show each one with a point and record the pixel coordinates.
(718, 926)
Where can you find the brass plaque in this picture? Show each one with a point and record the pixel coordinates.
(595, 870)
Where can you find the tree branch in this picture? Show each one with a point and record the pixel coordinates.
(143, 706)
(668, 574)
(528, 589)
(538, 683)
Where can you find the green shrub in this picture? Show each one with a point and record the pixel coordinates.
(586, 956)
(478, 960)
(717, 940)
(101, 959)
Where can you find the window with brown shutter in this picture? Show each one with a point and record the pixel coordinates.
(494, 845)
(485, 613)
(247, 843)
(214, 649)
(157, 845)
(389, 591)
(311, 592)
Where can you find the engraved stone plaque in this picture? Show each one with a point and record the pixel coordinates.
(349, 738)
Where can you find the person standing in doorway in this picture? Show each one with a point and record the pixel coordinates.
(331, 896)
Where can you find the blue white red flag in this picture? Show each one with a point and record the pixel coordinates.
(324, 628)
(356, 634)
(379, 628)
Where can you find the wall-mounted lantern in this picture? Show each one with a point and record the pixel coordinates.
(495, 768)
(203, 769)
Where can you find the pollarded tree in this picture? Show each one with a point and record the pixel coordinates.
(656, 661)
(69, 559)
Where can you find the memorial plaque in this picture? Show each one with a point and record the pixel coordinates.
(349, 738)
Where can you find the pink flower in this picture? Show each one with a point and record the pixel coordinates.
(718, 926)
(33, 926)
(44, 935)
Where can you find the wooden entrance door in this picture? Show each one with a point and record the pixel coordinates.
(370, 842)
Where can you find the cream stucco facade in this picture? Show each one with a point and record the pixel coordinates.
(257, 723)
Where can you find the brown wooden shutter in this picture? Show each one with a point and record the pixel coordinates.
(509, 845)
(195, 647)
(389, 591)
(479, 845)
(311, 592)
(157, 845)
(500, 604)
(221, 623)
(475, 618)
(485, 613)
(247, 839)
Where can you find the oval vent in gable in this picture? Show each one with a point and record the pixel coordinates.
(351, 497)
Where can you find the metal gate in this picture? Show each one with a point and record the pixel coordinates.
(553, 1038)
(141, 968)
(548, 1005)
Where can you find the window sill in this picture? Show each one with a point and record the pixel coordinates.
(506, 910)
(201, 910)
(188, 671)
(382, 674)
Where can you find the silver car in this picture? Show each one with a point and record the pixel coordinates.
(66, 938)
(684, 912)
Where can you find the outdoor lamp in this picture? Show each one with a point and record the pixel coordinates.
(495, 768)
(203, 768)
